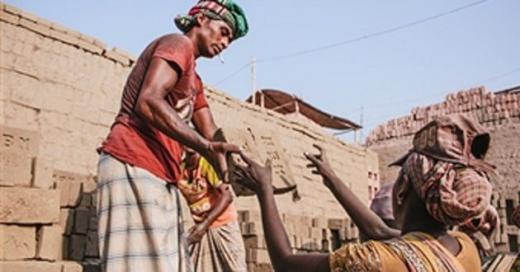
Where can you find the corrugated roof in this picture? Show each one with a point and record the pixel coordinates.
(285, 103)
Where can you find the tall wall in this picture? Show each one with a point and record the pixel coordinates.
(499, 112)
(60, 91)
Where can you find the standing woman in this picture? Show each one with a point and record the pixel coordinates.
(443, 182)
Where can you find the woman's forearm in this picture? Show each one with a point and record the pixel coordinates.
(276, 238)
(365, 219)
(278, 244)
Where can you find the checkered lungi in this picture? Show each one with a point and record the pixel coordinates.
(139, 220)
(220, 250)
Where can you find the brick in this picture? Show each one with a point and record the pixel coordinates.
(81, 220)
(326, 245)
(116, 56)
(254, 242)
(9, 18)
(257, 256)
(92, 265)
(320, 222)
(252, 267)
(30, 266)
(29, 205)
(315, 233)
(250, 216)
(300, 229)
(50, 243)
(17, 242)
(66, 221)
(28, 16)
(351, 233)
(85, 200)
(305, 221)
(64, 37)
(251, 228)
(12, 9)
(44, 22)
(19, 141)
(77, 245)
(93, 221)
(64, 29)
(91, 47)
(297, 241)
(92, 248)
(39, 28)
(99, 43)
(87, 38)
(42, 173)
(336, 224)
(70, 185)
(125, 54)
(15, 169)
(68, 266)
(65, 248)
(18, 115)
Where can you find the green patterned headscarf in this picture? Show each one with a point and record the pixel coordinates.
(225, 10)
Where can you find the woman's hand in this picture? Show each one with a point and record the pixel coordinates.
(320, 165)
(254, 176)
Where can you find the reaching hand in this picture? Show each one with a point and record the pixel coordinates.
(254, 176)
(320, 165)
(196, 233)
(217, 154)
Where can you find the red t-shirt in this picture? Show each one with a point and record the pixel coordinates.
(135, 142)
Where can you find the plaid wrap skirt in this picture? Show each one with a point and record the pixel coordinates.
(220, 250)
(139, 220)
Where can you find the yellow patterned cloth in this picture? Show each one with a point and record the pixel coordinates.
(412, 252)
(199, 188)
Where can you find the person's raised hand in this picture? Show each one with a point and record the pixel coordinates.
(254, 176)
(319, 164)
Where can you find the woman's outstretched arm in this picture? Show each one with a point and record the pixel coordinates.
(371, 225)
(259, 179)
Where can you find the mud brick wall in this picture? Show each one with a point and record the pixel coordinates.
(306, 234)
(61, 90)
(499, 112)
(266, 134)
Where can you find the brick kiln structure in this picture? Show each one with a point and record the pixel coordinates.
(60, 91)
(499, 112)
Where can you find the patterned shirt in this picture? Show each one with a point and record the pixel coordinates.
(199, 187)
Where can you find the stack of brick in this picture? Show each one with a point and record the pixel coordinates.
(507, 237)
(486, 107)
(306, 235)
(29, 207)
(78, 220)
(46, 215)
